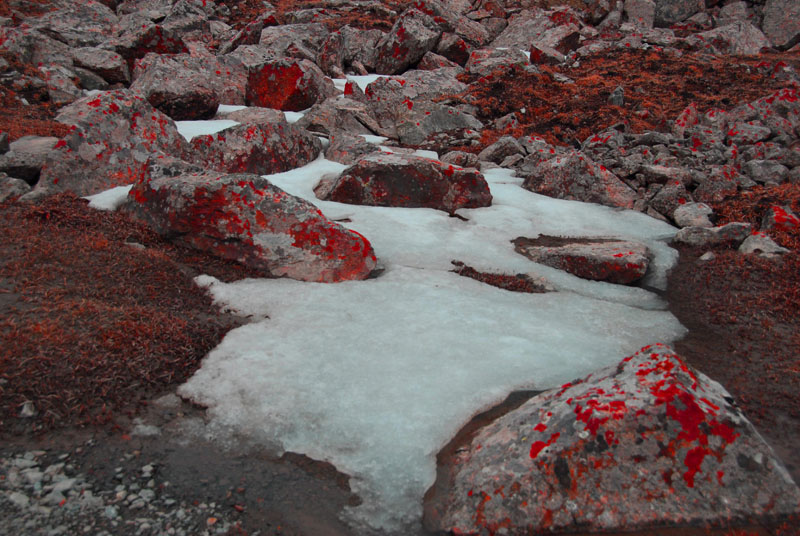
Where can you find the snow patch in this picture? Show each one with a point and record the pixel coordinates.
(109, 199)
(190, 129)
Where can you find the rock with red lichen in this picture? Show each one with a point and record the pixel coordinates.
(687, 118)
(264, 148)
(288, 84)
(641, 13)
(780, 218)
(781, 23)
(431, 61)
(393, 180)
(249, 35)
(360, 47)
(739, 38)
(113, 135)
(749, 132)
(717, 185)
(644, 444)
(138, 35)
(421, 122)
(541, 54)
(288, 38)
(575, 176)
(348, 149)
(187, 19)
(669, 197)
(460, 158)
(454, 48)
(253, 115)
(246, 218)
(109, 65)
(78, 24)
(414, 34)
(599, 259)
(532, 26)
(779, 111)
(330, 57)
(486, 61)
(766, 171)
(762, 245)
(337, 114)
(730, 234)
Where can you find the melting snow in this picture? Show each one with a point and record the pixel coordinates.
(110, 199)
(190, 129)
(376, 376)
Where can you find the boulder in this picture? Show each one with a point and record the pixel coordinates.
(79, 24)
(421, 122)
(11, 188)
(750, 132)
(766, 171)
(60, 83)
(460, 158)
(289, 40)
(730, 234)
(669, 12)
(575, 176)
(179, 91)
(485, 61)
(781, 23)
(533, 25)
(413, 34)
(246, 218)
(599, 259)
(738, 38)
(641, 13)
(502, 148)
(647, 443)
(263, 148)
(717, 185)
(762, 245)
(454, 48)
(693, 215)
(26, 157)
(113, 135)
(669, 197)
(781, 219)
(288, 85)
(348, 149)
(392, 180)
(339, 114)
(139, 36)
(431, 61)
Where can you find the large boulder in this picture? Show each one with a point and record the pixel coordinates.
(178, 91)
(782, 22)
(339, 114)
(392, 180)
(599, 259)
(536, 26)
(414, 34)
(739, 38)
(246, 218)
(113, 136)
(646, 443)
(262, 148)
(138, 36)
(109, 65)
(669, 12)
(78, 24)
(288, 84)
(575, 176)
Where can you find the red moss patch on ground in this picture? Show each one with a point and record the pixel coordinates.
(657, 85)
(514, 283)
(245, 11)
(751, 206)
(90, 326)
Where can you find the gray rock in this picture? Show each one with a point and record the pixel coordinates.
(347, 149)
(747, 133)
(423, 121)
(642, 13)
(505, 146)
(782, 23)
(413, 34)
(766, 171)
(669, 12)
(79, 24)
(732, 233)
(738, 38)
(26, 157)
(339, 114)
(670, 196)
(646, 443)
(460, 158)
(485, 61)
(762, 245)
(693, 215)
(781, 218)
(11, 188)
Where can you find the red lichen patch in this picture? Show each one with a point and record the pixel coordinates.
(658, 86)
(90, 326)
(752, 205)
(244, 12)
(514, 283)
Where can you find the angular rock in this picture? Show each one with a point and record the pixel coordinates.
(180, 93)
(414, 34)
(693, 215)
(544, 55)
(331, 55)
(454, 48)
(27, 156)
(249, 35)
(612, 260)
(782, 23)
(505, 146)
(11, 188)
(644, 444)
(246, 218)
(575, 176)
(766, 171)
(431, 61)
(391, 180)
(738, 38)
(187, 19)
(288, 85)
(253, 115)
(751, 132)
(347, 149)
(113, 136)
(533, 25)
(781, 219)
(669, 12)
(339, 114)
(139, 36)
(460, 158)
(109, 65)
(718, 185)
(686, 119)
(426, 120)
(81, 24)
(485, 61)
(360, 47)
(287, 40)
(762, 245)
(60, 82)
(642, 13)
(262, 149)
(669, 197)
(730, 234)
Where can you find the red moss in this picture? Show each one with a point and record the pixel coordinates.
(514, 283)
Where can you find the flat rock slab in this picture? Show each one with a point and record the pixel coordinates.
(611, 260)
(246, 218)
(649, 442)
(391, 180)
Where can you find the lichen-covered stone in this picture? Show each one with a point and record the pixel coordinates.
(414, 34)
(288, 85)
(612, 260)
(246, 218)
(391, 180)
(782, 22)
(647, 443)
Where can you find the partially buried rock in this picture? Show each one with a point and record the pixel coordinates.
(391, 180)
(288, 84)
(263, 148)
(246, 218)
(646, 443)
(598, 259)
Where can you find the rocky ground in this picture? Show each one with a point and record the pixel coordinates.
(686, 111)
